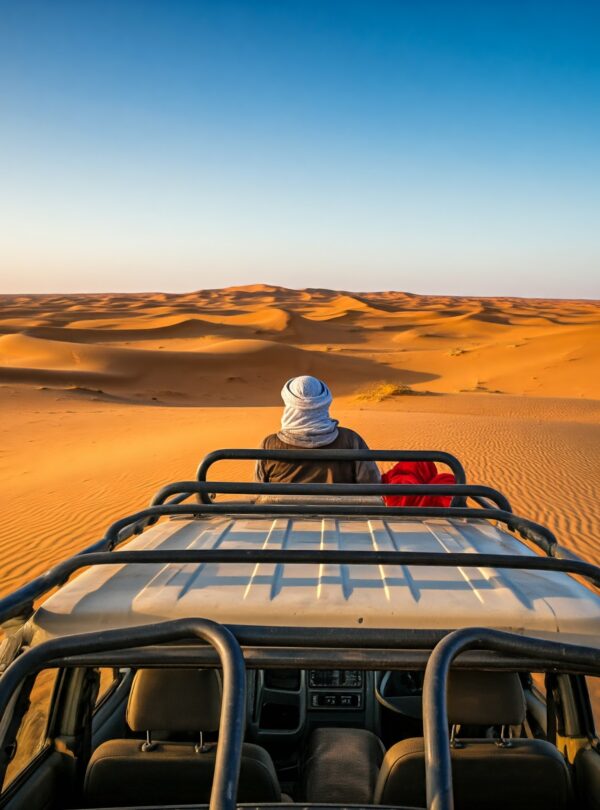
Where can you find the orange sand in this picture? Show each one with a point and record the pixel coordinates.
(104, 398)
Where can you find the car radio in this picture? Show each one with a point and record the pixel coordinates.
(335, 678)
(326, 685)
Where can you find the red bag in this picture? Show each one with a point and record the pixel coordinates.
(417, 472)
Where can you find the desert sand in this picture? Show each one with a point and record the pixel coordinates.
(103, 398)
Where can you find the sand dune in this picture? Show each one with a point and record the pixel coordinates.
(215, 373)
(166, 327)
(436, 343)
(268, 319)
(105, 397)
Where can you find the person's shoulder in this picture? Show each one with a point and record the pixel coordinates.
(270, 442)
(352, 439)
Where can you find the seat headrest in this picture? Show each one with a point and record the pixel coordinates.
(485, 698)
(175, 700)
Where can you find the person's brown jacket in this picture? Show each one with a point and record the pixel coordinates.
(318, 472)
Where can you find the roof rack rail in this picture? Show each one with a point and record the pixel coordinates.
(203, 489)
(322, 454)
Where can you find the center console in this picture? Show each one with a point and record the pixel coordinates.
(286, 705)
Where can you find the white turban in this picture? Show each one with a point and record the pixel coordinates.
(305, 421)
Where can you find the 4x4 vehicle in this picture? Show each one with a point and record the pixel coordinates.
(310, 646)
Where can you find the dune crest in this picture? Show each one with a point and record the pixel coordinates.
(192, 343)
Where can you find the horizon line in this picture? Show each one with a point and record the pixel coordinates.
(259, 287)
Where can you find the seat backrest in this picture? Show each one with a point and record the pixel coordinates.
(136, 772)
(175, 700)
(495, 773)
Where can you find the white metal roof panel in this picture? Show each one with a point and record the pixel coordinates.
(538, 603)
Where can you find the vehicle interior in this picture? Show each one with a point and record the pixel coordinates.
(122, 737)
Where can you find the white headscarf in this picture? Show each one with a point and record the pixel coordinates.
(305, 421)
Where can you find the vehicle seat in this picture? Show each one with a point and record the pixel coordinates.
(136, 772)
(494, 773)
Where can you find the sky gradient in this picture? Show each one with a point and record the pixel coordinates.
(434, 147)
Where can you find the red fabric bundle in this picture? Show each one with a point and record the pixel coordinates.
(417, 472)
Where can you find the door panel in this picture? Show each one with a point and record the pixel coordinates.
(40, 785)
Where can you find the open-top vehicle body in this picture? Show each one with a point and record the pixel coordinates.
(307, 644)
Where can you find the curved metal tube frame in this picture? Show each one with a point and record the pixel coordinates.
(438, 762)
(242, 488)
(321, 454)
(233, 707)
(538, 534)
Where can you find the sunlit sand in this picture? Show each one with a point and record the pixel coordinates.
(104, 398)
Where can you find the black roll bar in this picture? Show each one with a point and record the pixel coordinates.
(264, 657)
(438, 762)
(85, 649)
(233, 706)
(21, 600)
(242, 488)
(321, 454)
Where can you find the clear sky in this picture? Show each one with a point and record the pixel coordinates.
(434, 147)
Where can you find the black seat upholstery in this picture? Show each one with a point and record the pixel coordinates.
(341, 766)
(134, 772)
(487, 772)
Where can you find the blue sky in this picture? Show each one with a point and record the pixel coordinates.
(435, 147)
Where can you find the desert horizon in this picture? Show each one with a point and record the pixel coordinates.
(104, 398)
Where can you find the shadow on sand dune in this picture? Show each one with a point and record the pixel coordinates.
(229, 372)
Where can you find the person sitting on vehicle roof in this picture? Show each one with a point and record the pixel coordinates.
(306, 424)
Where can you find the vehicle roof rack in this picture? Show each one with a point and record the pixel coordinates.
(169, 502)
(20, 602)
